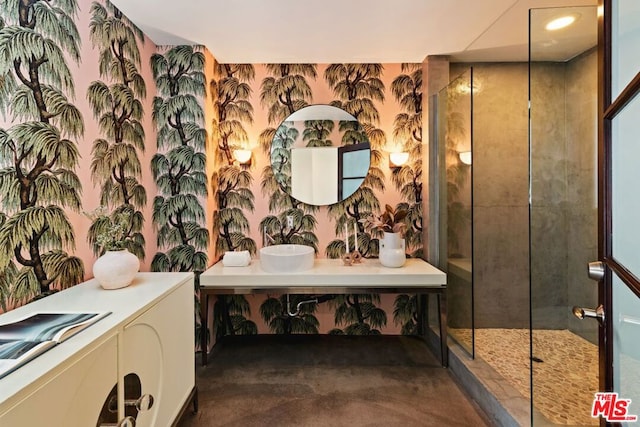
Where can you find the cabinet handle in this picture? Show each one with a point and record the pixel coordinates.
(125, 422)
(143, 403)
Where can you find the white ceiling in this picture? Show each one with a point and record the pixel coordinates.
(349, 31)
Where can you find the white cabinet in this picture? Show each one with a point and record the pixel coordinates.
(158, 346)
(73, 397)
(145, 347)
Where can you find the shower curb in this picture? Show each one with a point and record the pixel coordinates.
(502, 403)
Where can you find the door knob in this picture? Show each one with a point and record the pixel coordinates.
(597, 314)
(596, 270)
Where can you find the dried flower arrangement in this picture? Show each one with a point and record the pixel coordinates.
(109, 231)
(390, 221)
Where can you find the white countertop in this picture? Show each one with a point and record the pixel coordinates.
(125, 304)
(326, 273)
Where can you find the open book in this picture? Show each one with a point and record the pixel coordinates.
(23, 340)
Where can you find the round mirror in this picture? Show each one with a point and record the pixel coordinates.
(320, 155)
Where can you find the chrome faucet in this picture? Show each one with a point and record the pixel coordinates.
(268, 239)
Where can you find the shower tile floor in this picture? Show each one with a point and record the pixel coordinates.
(564, 382)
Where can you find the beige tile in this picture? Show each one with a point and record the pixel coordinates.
(563, 384)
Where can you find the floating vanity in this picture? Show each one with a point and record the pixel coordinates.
(327, 276)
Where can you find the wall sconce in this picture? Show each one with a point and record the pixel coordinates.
(242, 156)
(465, 157)
(398, 159)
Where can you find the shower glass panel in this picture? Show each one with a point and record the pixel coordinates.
(563, 215)
(455, 135)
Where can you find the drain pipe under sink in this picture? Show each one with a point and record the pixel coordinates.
(317, 300)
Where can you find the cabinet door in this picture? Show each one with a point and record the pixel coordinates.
(74, 397)
(158, 347)
(143, 360)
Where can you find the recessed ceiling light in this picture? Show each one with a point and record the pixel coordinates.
(563, 21)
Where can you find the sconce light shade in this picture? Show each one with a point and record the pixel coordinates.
(465, 157)
(398, 159)
(242, 156)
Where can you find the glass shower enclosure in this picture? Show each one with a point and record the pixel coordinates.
(455, 142)
(563, 214)
(517, 219)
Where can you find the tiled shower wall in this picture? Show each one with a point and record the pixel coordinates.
(564, 190)
(582, 102)
(500, 205)
(564, 210)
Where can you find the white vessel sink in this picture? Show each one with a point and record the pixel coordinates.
(286, 258)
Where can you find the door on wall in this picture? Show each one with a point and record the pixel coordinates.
(619, 212)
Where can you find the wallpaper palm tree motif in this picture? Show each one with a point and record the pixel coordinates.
(316, 133)
(232, 112)
(38, 154)
(116, 105)
(284, 91)
(359, 314)
(357, 86)
(405, 313)
(180, 171)
(280, 155)
(231, 185)
(407, 128)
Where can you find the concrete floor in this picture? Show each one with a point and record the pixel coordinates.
(324, 380)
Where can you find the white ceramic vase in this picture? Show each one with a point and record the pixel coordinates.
(393, 240)
(392, 251)
(116, 269)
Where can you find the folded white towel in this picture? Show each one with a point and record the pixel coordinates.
(236, 259)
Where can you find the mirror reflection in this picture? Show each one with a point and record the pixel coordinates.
(320, 155)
